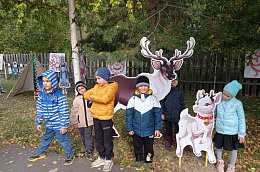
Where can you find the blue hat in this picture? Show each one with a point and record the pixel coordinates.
(104, 73)
(233, 88)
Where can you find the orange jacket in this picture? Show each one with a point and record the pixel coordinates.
(102, 100)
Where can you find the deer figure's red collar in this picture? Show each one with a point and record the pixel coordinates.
(206, 119)
(202, 117)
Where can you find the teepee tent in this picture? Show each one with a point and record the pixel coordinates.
(28, 79)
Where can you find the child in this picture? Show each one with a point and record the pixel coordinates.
(172, 105)
(1, 88)
(81, 118)
(230, 125)
(52, 106)
(102, 110)
(143, 121)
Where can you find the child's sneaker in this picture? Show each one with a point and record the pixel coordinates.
(69, 160)
(89, 154)
(37, 157)
(108, 165)
(138, 164)
(150, 166)
(82, 152)
(231, 168)
(220, 165)
(98, 162)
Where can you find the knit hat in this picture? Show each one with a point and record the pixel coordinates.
(104, 73)
(80, 83)
(142, 80)
(233, 88)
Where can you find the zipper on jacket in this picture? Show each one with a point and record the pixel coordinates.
(85, 110)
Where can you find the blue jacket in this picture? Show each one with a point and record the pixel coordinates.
(173, 104)
(143, 114)
(230, 118)
(52, 107)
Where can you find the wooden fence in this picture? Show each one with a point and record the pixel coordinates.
(210, 70)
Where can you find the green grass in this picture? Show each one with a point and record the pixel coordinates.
(17, 126)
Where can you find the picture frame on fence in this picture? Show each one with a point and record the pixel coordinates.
(253, 69)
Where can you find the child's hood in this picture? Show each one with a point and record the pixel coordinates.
(51, 75)
(137, 93)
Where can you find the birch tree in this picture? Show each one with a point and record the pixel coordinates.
(74, 42)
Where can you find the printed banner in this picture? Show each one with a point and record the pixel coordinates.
(55, 61)
(253, 70)
(117, 68)
(1, 61)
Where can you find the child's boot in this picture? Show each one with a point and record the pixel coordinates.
(37, 157)
(69, 160)
(170, 142)
(89, 154)
(98, 162)
(108, 165)
(149, 166)
(138, 164)
(231, 168)
(220, 165)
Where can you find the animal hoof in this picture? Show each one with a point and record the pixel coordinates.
(198, 154)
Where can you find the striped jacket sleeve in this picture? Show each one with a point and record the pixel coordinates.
(39, 113)
(64, 111)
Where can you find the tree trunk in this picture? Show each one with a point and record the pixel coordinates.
(153, 23)
(74, 46)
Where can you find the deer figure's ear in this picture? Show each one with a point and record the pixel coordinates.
(198, 94)
(156, 64)
(178, 64)
(218, 97)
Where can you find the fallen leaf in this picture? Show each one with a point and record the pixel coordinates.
(29, 165)
(54, 162)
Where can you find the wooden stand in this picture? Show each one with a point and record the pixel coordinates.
(206, 161)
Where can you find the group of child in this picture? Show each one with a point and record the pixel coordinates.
(144, 115)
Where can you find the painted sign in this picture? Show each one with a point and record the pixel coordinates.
(82, 66)
(55, 61)
(253, 70)
(117, 68)
(1, 61)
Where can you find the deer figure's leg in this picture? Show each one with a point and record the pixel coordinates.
(178, 150)
(182, 134)
(211, 155)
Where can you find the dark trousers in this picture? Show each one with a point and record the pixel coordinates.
(169, 126)
(104, 138)
(86, 137)
(143, 146)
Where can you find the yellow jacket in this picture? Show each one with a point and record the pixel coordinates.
(102, 100)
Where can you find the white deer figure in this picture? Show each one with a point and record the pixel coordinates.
(160, 80)
(197, 131)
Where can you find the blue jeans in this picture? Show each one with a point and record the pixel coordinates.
(63, 140)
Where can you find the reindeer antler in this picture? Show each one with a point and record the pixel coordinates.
(188, 53)
(212, 93)
(147, 53)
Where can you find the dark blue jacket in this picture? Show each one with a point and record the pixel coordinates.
(143, 114)
(173, 104)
